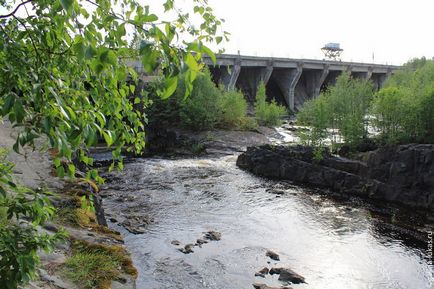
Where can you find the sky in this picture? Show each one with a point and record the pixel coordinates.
(380, 31)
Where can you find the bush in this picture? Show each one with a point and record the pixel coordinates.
(248, 123)
(314, 113)
(20, 240)
(388, 107)
(268, 114)
(201, 110)
(233, 107)
(404, 109)
(163, 112)
(207, 107)
(342, 108)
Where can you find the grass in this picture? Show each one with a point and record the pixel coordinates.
(90, 265)
(76, 217)
(83, 218)
(94, 266)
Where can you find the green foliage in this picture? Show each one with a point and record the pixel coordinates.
(163, 112)
(65, 76)
(268, 114)
(197, 148)
(64, 68)
(23, 211)
(404, 109)
(315, 114)
(343, 108)
(248, 123)
(234, 108)
(202, 109)
(389, 107)
(207, 107)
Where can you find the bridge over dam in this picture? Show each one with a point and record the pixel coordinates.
(289, 81)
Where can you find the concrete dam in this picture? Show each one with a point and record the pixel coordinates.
(289, 81)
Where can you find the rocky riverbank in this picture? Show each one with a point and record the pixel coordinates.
(86, 230)
(397, 174)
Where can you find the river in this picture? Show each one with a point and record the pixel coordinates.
(334, 244)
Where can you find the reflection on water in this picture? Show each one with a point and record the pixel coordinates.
(332, 244)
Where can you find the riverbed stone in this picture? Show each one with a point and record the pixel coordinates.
(200, 242)
(275, 191)
(175, 243)
(213, 236)
(272, 255)
(287, 275)
(261, 273)
(264, 286)
(136, 223)
(187, 249)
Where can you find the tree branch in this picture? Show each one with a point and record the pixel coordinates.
(30, 36)
(15, 10)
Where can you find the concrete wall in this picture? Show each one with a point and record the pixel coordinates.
(293, 80)
(289, 81)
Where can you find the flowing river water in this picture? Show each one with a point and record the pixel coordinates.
(334, 244)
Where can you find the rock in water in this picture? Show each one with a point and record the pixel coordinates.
(272, 255)
(264, 286)
(213, 236)
(200, 242)
(136, 223)
(175, 242)
(275, 191)
(187, 249)
(287, 275)
(262, 272)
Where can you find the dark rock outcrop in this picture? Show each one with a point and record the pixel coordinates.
(261, 273)
(400, 174)
(287, 275)
(272, 255)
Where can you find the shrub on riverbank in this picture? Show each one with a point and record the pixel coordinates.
(21, 240)
(202, 109)
(268, 114)
(342, 108)
(404, 109)
(401, 112)
(207, 107)
(234, 109)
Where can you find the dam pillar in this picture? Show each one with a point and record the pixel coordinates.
(369, 73)
(295, 76)
(233, 76)
(267, 73)
(250, 77)
(320, 80)
(287, 80)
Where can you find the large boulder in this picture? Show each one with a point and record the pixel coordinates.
(401, 174)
